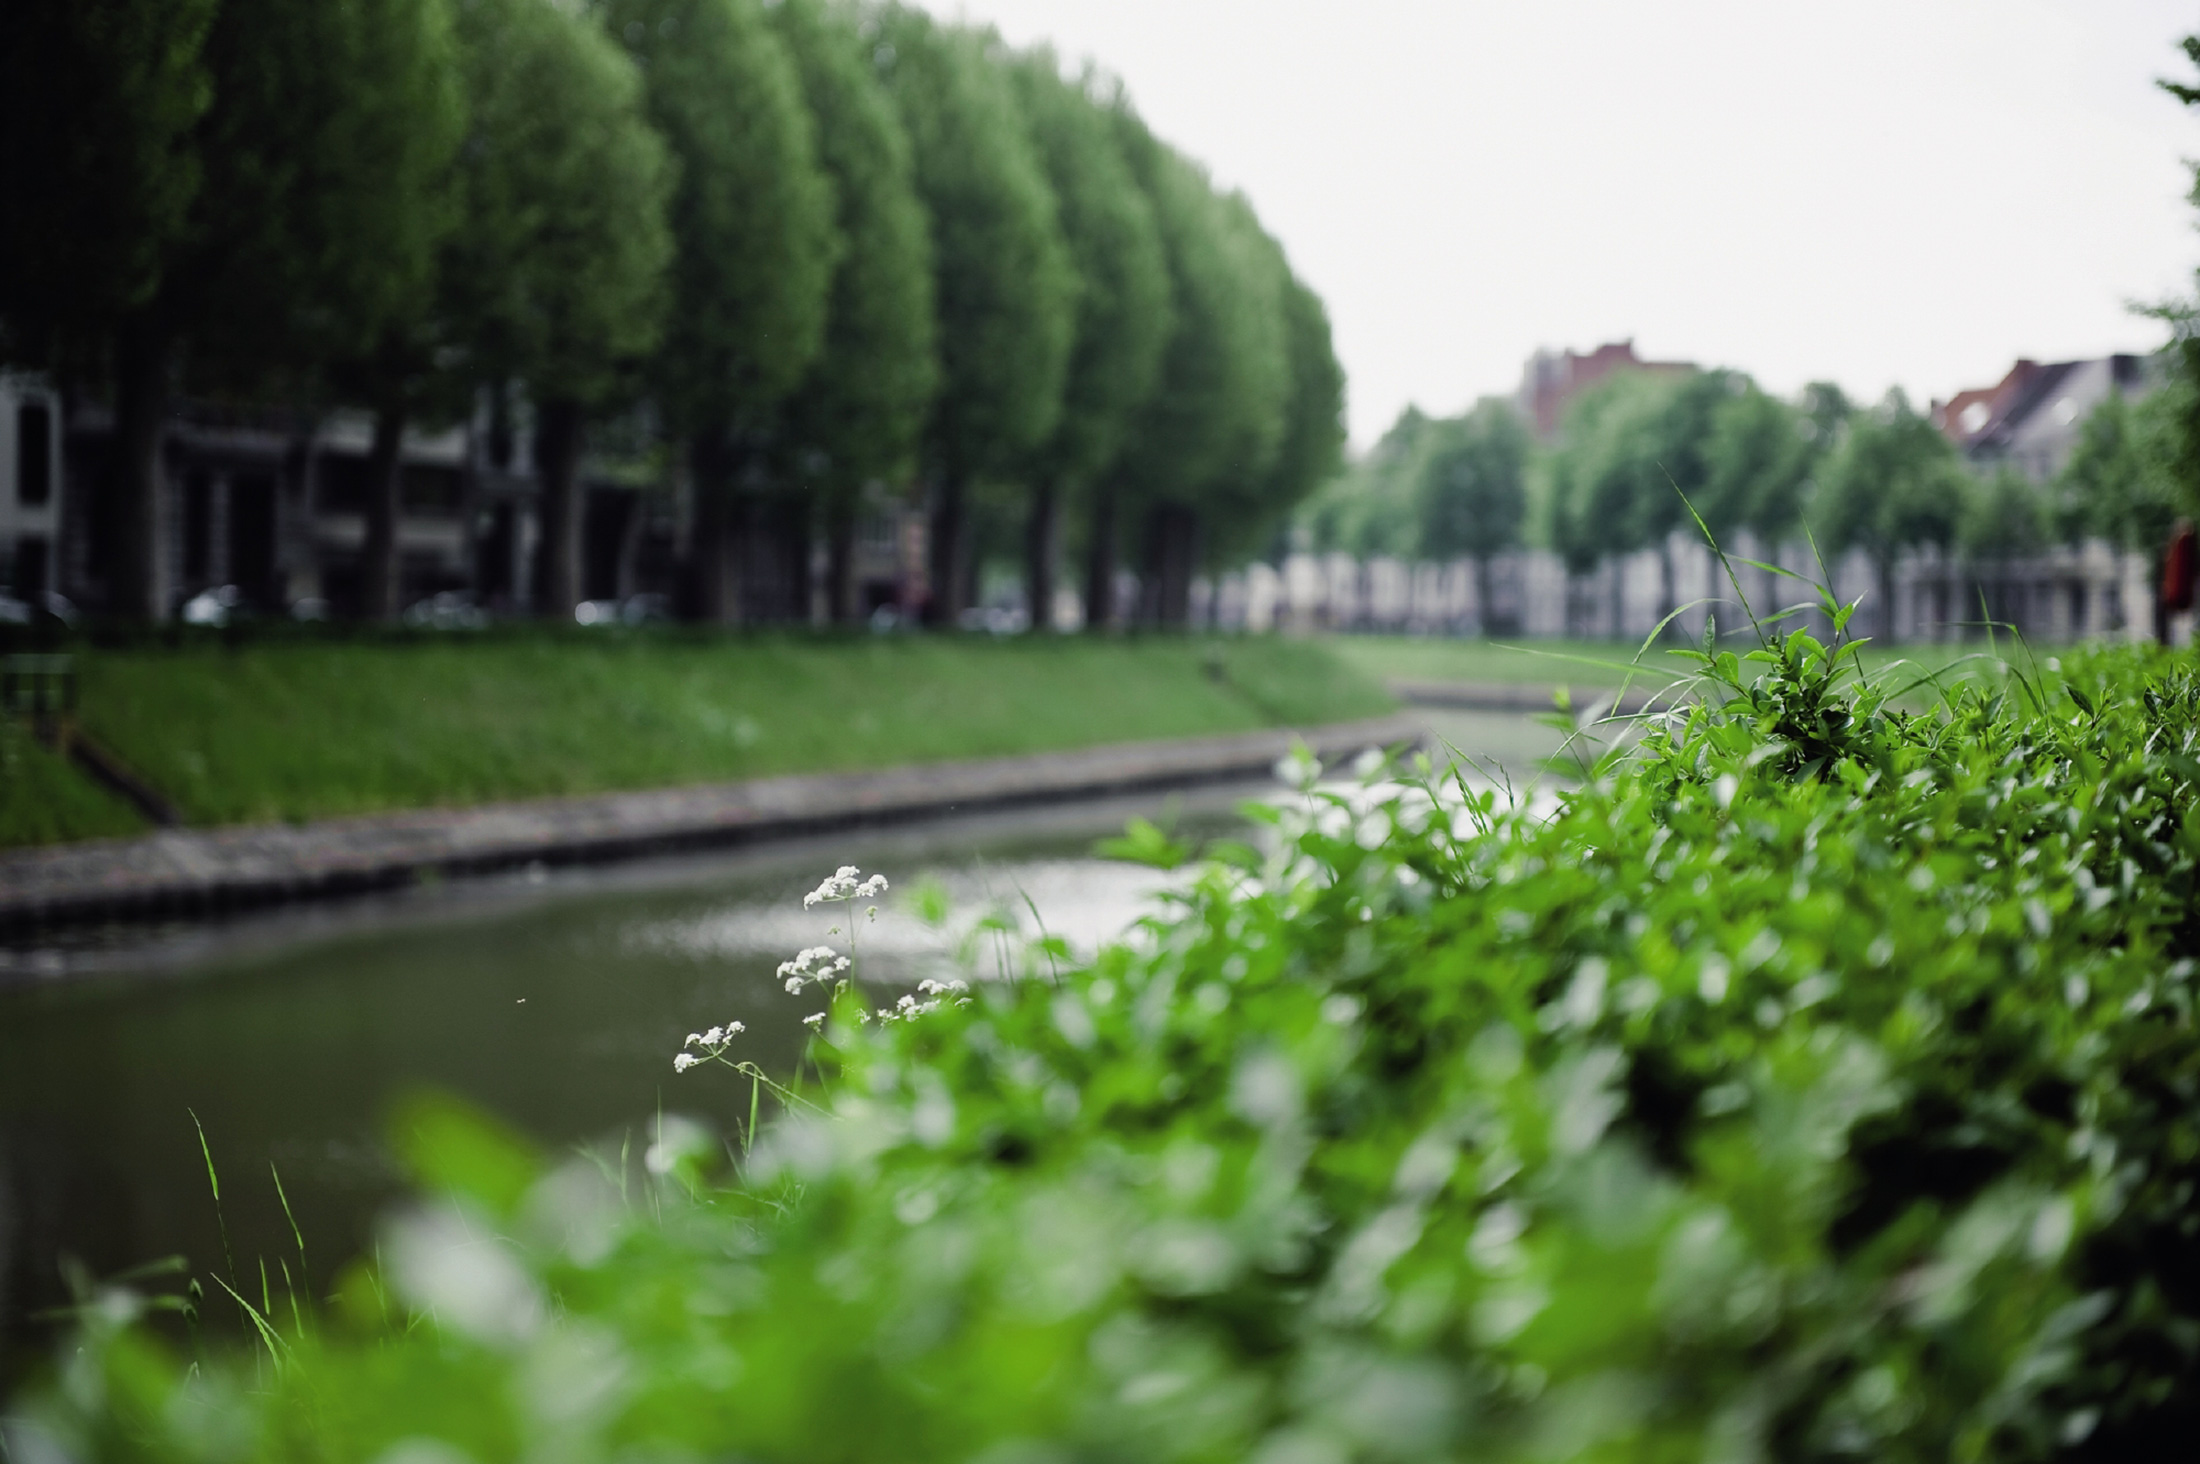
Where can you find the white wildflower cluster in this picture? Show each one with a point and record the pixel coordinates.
(812, 966)
(823, 966)
(707, 1045)
(909, 1008)
(844, 884)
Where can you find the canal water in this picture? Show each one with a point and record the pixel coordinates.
(554, 999)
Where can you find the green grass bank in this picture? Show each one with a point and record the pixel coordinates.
(314, 729)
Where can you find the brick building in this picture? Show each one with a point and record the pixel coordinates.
(1552, 379)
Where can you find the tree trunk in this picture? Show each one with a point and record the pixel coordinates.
(840, 561)
(558, 433)
(713, 588)
(1179, 553)
(949, 553)
(1100, 562)
(1884, 565)
(794, 543)
(1668, 588)
(1039, 536)
(379, 582)
(137, 569)
(1151, 537)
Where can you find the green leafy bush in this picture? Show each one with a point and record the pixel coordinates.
(1815, 1082)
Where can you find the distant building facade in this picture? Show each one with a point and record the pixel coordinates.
(30, 486)
(271, 504)
(1552, 379)
(2030, 419)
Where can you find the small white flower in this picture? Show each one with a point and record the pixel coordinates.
(871, 888)
(715, 1037)
(814, 1019)
(693, 1038)
(794, 986)
(840, 963)
(684, 1061)
(733, 1027)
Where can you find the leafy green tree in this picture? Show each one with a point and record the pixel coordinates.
(1757, 464)
(1004, 285)
(1312, 444)
(1217, 415)
(555, 273)
(2182, 443)
(754, 250)
(1472, 491)
(1123, 305)
(858, 415)
(2121, 483)
(1826, 411)
(2003, 517)
(258, 180)
(100, 102)
(328, 198)
(1369, 507)
(1630, 447)
(1895, 483)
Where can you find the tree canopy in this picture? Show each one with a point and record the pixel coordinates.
(1895, 483)
(1471, 491)
(861, 407)
(1004, 283)
(752, 212)
(556, 274)
(100, 105)
(831, 247)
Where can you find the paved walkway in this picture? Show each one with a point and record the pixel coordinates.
(188, 870)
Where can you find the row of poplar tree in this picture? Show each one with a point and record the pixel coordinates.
(825, 247)
(1642, 455)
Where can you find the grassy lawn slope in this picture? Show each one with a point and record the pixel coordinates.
(311, 730)
(43, 800)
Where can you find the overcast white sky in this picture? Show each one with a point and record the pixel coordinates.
(1879, 192)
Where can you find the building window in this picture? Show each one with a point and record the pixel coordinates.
(33, 453)
(30, 567)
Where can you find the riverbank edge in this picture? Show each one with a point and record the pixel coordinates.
(198, 871)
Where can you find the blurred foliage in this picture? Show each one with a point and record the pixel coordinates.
(751, 216)
(1634, 446)
(1471, 497)
(1812, 1083)
(1369, 507)
(1894, 483)
(2121, 483)
(859, 413)
(557, 271)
